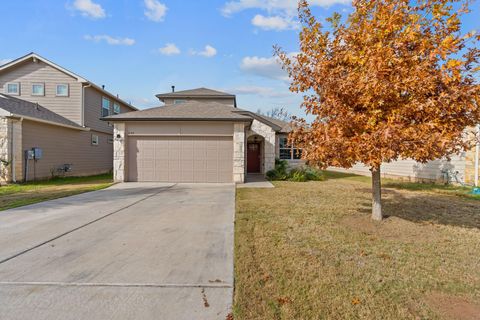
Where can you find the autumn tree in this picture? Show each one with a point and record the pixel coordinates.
(394, 80)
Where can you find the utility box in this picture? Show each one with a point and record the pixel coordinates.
(37, 153)
(29, 155)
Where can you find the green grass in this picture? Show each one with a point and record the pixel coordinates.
(310, 251)
(412, 186)
(22, 194)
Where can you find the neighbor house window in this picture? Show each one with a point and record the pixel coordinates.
(116, 108)
(179, 101)
(288, 152)
(62, 90)
(94, 140)
(105, 107)
(38, 89)
(13, 88)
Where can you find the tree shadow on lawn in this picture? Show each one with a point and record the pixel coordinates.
(429, 208)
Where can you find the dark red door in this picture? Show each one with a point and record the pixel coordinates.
(253, 158)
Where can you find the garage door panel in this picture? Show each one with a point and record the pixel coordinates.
(180, 159)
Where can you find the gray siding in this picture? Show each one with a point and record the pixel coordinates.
(30, 72)
(63, 145)
(93, 110)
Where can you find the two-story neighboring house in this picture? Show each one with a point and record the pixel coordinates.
(50, 121)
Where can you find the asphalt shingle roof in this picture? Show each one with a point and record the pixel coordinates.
(190, 110)
(199, 92)
(199, 111)
(24, 108)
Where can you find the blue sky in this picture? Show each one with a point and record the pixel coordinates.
(139, 48)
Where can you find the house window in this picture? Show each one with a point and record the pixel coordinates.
(13, 88)
(105, 107)
(94, 140)
(38, 89)
(179, 101)
(116, 108)
(288, 152)
(62, 90)
(285, 149)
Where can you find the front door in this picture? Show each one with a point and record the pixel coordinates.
(253, 158)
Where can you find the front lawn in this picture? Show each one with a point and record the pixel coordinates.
(310, 251)
(17, 195)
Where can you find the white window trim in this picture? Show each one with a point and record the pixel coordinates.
(116, 104)
(95, 140)
(18, 88)
(62, 95)
(37, 84)
(292, 149)
(103, 108)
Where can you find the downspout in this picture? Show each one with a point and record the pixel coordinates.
(83, 103)
(477, 156)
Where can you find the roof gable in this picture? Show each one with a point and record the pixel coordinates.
(197, 93)
(33, 56)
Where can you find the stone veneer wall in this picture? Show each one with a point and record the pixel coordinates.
(239, 152)
(11, 137)
(261, 129)
(119, 154)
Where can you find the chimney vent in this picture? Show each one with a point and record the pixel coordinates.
(173, 88)
(103, 86)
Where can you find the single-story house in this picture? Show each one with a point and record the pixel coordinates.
(199, 135)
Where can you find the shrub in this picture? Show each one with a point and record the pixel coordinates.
(303, 174)
(280, 172)
(306, 174)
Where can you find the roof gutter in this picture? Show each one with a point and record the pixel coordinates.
(175, 119)
(17, 116)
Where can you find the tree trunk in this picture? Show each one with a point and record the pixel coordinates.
(376, 195)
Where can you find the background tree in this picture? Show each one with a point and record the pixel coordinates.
(395, 80)
(280, 113)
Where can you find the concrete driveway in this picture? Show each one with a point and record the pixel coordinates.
(133, 251)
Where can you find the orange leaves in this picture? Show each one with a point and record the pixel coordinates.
(389, 82)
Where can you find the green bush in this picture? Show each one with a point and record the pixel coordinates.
(280, 172)
(303, 174)
(306, 174)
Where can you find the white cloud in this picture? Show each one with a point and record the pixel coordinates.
(264, 67)
(111, 40)
(274, 23)
(4, 61)
(288, 7)
(90, 9)
(170, 49)
(259, 91)
(208, 52)
(155, 11)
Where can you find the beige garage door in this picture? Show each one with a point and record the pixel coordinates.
(180, 159)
